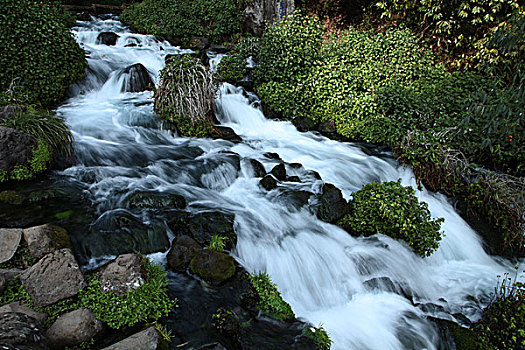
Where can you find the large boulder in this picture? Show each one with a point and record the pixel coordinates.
(268, 182)
(122, 275)
(44, 239)
(257, 168)
(137, 79)
(183, 249)
(16, 148)
(55, 277)
(332, 205)
(107, 38)
(9, 241)
(212, 266)
(279, 171)
(156, 200)
(148, 339)
(20, 332)
(73, 328)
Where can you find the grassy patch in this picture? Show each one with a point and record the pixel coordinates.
(271, 300)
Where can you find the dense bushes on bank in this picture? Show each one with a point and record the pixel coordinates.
(216, 20)
(38, 55)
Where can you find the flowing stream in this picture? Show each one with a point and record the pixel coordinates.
(356, 287)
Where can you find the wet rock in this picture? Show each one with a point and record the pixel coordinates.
(227, 325)
(279, 171)
(269, 112)
(156, 200)
(225, 133)
(23, 309)
(16, 148)
(197, 43)
(122, 275)
(293, 179)
(107, 38)
(138, 79)
(327, 128)
(44, 239)
(268, 182)
(20, 332)
(294, 200)
(304, 124)
(202, 226)
(212, 266)
(3, 283)
(314, 174)
(272, 155)
(9, 242)
(73, 328)
(258, 168)
(213, 346)
(42, 195)
(55, 277)
(83, 16)
(183, 249)
(148, 339)
(219, 48)
(332, 205)
(11, 197)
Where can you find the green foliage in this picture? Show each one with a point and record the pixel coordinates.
(503, 323)
(232, 68)
(14, 291)
(218, 243)
(43, 125)
(37, 164)
(185, 95)
(37, 51)
(393, 210)
(320, 336)
(271, 300)
(22, 258)
(150, 301)
(180, 19)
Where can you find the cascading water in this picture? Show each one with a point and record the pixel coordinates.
(356, 287)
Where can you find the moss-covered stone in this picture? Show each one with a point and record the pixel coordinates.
(212, 266)
(11, 197)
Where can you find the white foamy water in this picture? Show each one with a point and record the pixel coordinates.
(370, 293)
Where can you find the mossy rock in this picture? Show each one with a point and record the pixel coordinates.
(11, 197)
(59, 237)
(156, 200)
(212, 266)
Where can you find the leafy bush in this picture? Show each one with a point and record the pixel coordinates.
(37, 51)
(270, 301)
(232, 68)
(320, 337)
(185, 95)
(503, 323)
(180, 19)
(393, 210)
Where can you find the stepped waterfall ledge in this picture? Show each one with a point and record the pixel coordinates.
(192, 204)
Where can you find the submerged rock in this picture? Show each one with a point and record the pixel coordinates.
(55, 277)
(138, 79)
(212, 266)
(225, 133)
(156, 200)
(73, 328)
(183, 249)
(304, 124)
(107, 38)
(332, 205)
(258, 168)
(11, 198)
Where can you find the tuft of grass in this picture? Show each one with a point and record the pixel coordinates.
(271, 300)
(218, 243)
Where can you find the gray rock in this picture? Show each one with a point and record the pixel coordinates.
(20, 332)
(16, 148)
(55, 277)
(146, 340)
(44, 239)
(9, 274)
(9, 241)
(332, 205)
(183, 249)
(23, 309)
(107, 38)
(122, 275)
(137, 79)
(3, 283)
(73, 328)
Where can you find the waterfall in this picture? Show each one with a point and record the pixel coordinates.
(369, 293)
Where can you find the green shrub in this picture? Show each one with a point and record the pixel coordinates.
(185, 95)
(393, 210)
(180, 19)
(270, 301)
(150, 301)
(232, 68)
(37, 52)
(503, 323)
(218, 243)
(320, 337)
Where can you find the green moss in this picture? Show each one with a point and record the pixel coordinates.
(14, 291)
(64, 215)
(37, 164)
(213, 266)
(37, 51)
(11, 197)
(393, 210)
(59, 237)
(463, 337)
(271, 300)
